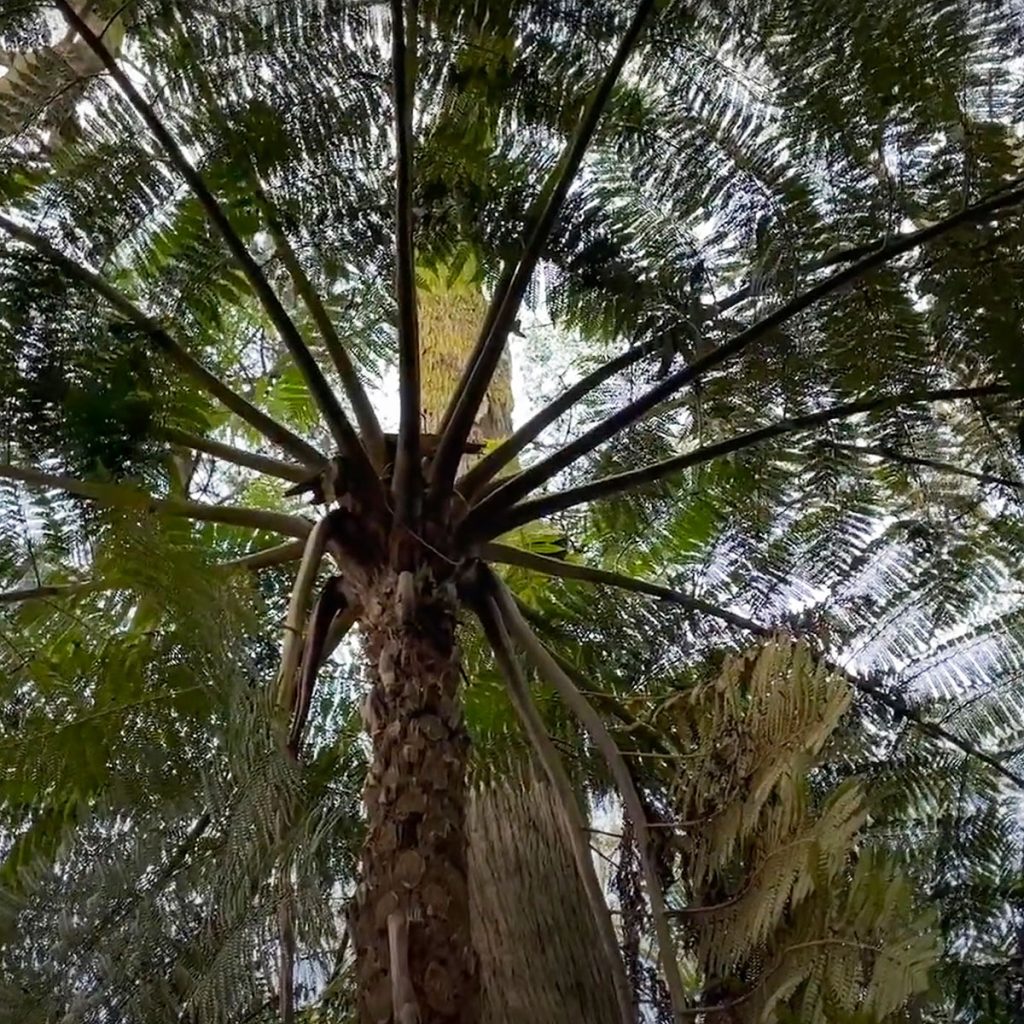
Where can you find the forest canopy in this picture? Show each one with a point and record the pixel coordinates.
(510, 511)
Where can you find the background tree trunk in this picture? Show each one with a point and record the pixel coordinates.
(540, 955)
(450, 320)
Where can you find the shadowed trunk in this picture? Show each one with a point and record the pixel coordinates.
(412, 934)
(541, 959)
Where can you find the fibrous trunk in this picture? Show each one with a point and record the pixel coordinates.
(541, 957)
(411, 927)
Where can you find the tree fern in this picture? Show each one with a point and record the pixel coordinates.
(781, 243)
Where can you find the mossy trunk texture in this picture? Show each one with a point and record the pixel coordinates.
(449, 324)
(541, 959)
(414, 859)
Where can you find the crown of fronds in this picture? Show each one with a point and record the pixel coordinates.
(747, 151)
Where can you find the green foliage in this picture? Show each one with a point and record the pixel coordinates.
(141, 784)
(790, 917)
(747, 145)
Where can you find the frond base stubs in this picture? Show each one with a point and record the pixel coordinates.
(339, 477)
(413, 865)
(414, 857)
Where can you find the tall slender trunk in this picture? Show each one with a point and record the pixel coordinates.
(412, 931)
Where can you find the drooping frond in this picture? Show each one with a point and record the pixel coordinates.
(783, 904)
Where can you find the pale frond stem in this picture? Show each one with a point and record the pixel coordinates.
(295, 618)
(575, 825)
(605, 701)
(882, 452)
(366, 418)
(547, 566)
(506, 301)
(471, 483)
(499, 520)
(230, 515)
(345, 437)
(118, 496)
(165, 343)
(45, 591)
(237, 456)
(407, 480)
(280, 554)
(530, 479)
(404, 1006)
(552, 674)
(182, 466)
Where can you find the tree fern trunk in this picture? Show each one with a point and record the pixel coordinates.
(541, 959)
(524, 910)
(414, 858)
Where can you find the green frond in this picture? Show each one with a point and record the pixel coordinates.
(840, 864)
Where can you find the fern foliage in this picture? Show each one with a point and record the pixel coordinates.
(838, 860)
(791, 915)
